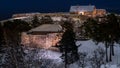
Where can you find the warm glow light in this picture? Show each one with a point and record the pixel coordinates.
(42, 41)
(81, 13)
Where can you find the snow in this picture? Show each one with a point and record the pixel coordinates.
(44, 54)
(56, 18)
(47, 54)
(42, 58)
(86, 46)
(113, 66)
(47, 28)
(109, 66)
(89, 46)
(20, 17)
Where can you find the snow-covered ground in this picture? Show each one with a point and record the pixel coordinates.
(89, 46)
(86, 46)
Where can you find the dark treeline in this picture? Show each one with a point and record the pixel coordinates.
(106, 31)
(67, 45)
(10, 42)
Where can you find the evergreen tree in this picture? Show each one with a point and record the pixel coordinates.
(113, 31)
(1, 35)
(46, 20)
(2, 47)
(68, 47)
(12, 35)
(106, 32)
(96, 32)
(35, 22)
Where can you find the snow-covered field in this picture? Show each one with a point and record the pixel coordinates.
(87, 46)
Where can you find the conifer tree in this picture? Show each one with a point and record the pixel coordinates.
(46, 20)
(106, 32)
(35, 22)
(12, 34)
(67, 45)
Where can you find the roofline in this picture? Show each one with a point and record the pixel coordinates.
(43, 32)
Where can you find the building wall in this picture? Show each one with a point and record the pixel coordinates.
(41, 41)
(88, 13)
(94, 13)
(100, 12)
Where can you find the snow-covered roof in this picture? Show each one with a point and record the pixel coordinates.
(20, 17)
(82, 8)
(46, 28)
(56, 18)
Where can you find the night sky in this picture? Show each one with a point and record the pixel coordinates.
(9, 7)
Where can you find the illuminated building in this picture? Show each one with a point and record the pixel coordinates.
(44, 36)
(89, 10)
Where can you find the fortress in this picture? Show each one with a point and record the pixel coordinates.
(88, 10)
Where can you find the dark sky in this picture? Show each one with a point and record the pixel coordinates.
(9, 7)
